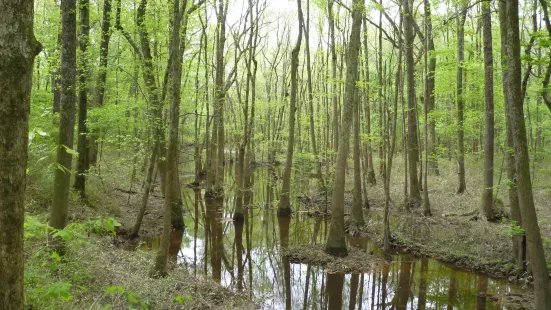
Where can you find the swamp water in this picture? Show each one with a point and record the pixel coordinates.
(245, 257)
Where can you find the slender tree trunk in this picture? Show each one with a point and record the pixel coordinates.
(429, 95)
(536, 253)
(429, 100)
(82, 138)
(336, 243)
(412, 141)
(370, 170)
(460, 19)
(356, 215)
(333, 83)
(62, 174)
(319, 173)
(487, 200)
(284, 208)
(145, 197)
(18, 48)
(102, 75)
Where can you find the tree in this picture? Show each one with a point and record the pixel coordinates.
(356, 220)
(336, 243)
(514, 107)
(284, 208)
(429, 90)
(18, 48)
(460, 20)
(412, 141)
(82, 139)
(171, 196)
(519, 241)
(215, 161)
(102, 73)
(487, 200)
(62, 175)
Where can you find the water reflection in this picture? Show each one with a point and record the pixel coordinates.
(246, 257)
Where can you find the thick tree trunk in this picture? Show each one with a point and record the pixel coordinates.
(514, 108)
(82, 138)
(172, 191)
(487, 200)
(336, 242)
(461, 16)
(284, 208)
(18, 48)
(519, 241)
(62, 174)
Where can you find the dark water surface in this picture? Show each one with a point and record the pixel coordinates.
(245, 257)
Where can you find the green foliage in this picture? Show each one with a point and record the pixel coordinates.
(182, 300)
(514, 228)
(101, 226)
(133, 299)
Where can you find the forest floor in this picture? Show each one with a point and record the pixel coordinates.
(100, 272)
(97, 272)
(448, 235)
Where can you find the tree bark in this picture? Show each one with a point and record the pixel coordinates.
(172, 193)
(18, 48)
(62, 174)
(519, 241)
(514, 108)
(82, 138)
(336, 242)
(487, 200)
(460, 20)
(412, 141)
(102, 75)
(429, 94)
(334, 87)
(356, 215)
(284, 208)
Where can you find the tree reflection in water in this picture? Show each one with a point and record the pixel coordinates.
(252, 247)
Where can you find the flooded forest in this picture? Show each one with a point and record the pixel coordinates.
(290, 154)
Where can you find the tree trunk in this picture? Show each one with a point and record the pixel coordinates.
(319, 174)
(369, 162)
(429, 95)
(356, 215)
(514, 108)
(412, 141)
(336, 243)
(333, 83)
(146, 190)
(82, 138)
(460, 19)
(102, 74)
(519, 241)
(62, 174)
(18, 48)
(172, 193)
(284, 208)
(487, 200)
(429, 100)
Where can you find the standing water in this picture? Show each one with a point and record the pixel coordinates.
(245, 257)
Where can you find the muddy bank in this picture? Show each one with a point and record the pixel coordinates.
(357, 261)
